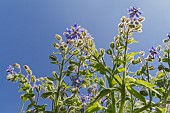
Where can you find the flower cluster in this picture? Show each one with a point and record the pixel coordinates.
(76, 32)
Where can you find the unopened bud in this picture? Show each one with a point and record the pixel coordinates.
(95, 85)
(90, 42)
(75, 52)
(71, 67)
(55, 75)
(16, 65)
(52, 57)
(56, 45)
(26, 67)
(29, 71)
(101, 51)
(83, 85)
(141, 19)
(58, 37)
(10, 77)
(142, 53)
(112, 45)
(70, 41)
(123, 19)
(33, 78)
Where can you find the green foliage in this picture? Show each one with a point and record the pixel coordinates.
(84, 82)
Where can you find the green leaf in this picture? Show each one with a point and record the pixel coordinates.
(26, 96)
(165, 60)
(131, 41)
(148, 85)
(46, 94)
(136, 94)
(132, 54)
(103, 93)
(167, 69)
(54, 62)
(119, 70)
(93, 108)
(160, 75)
(145, 83)
(29, 106)
(41, 107)
(26, 87)
(161, 110)
(114, 82)
(51, 79)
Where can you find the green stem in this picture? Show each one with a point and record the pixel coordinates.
(59, 83)
(112, 95)
(150, 92)
(113, 102)
(145, 107)
(168, 59)
(123, 90)
(22, 107)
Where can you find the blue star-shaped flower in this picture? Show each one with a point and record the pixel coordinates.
(134, 13)
(75, 32)
(76, 81)
(10, 69)
(154, 52)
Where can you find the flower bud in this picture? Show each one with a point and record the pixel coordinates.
(123, 19)
(10, 77)
(109, 52)
(95, 85)
(26, 67)
(17, 65)
(80, 42)
(160, 67)
(71, 67)
(101, 51)
(58, 37)
(56, 45)
(70, 41)
(90, 42)
(120, 25)
(141, 19)
(29, 71)
(55, 75)
(52, 57)
(75, 52)
(142, 53)
(83, 85)
(112, 45)
(33, 78)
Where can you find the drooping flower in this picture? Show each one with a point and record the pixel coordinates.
(75, 32)
(10, 69)
(134, 13)
(76, 81)
(154, 52)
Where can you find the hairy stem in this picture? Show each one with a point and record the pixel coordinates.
(59, 83)
(22, 107)
(123, 90)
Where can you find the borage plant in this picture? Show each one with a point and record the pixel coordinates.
(84, 83)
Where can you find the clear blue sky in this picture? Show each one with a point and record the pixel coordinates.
(27, 29)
